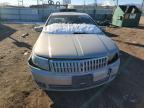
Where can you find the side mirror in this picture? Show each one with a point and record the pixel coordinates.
(39, 28)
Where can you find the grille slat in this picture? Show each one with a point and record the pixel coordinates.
(71, 66)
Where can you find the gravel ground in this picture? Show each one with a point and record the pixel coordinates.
(17, 90)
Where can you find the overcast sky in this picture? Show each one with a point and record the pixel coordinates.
(107, 2)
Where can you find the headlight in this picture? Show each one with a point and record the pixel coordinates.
(112, 58)
(40, 62)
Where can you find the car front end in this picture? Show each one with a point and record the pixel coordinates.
(73, 75)
(73, 61)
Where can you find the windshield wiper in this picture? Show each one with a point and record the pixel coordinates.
(79, 33)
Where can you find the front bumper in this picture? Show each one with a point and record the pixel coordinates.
(66, 81)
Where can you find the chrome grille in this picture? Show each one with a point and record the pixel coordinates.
(70, 66)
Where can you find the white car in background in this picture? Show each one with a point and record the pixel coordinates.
(72, 53)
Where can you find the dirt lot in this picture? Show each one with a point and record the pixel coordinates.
(17, 90)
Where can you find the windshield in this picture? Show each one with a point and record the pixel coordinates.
(70, 19)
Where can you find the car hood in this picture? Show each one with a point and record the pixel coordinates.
(73, 46)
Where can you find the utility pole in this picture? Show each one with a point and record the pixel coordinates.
(95, 7)
(117, 3)
(37, 2)
(20, 4)
(84, 6)
(142, 5)
(95, 3)
(42, 9)
(38, 7)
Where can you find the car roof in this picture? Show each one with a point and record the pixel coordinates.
(69, 13)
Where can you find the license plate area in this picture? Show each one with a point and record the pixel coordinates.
(82, 81)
